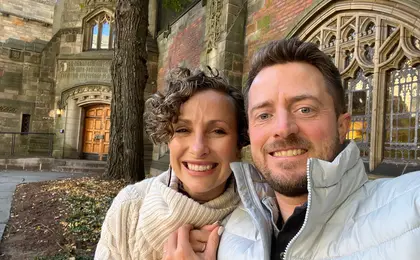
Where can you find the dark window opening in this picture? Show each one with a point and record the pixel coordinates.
(26, 119)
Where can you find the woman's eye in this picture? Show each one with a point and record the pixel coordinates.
(181, 130)
(220, 131)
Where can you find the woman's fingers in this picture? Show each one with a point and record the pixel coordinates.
(170, 246)
(198, 239)
(184, 236)
(199, 235)
(198, 246)
(210, 227)
(213, 243)
(179, 247)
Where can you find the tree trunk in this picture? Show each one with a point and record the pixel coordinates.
(129, 77)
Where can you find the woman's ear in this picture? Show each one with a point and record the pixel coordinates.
(239, 153)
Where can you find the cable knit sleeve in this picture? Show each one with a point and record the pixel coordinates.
(120, 223)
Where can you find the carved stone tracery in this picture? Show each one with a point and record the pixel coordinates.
(213, 23)
(366, 44)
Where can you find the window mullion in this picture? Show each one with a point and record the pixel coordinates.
(111, 40)
(338, 41)
(378, 105)
(99, 35)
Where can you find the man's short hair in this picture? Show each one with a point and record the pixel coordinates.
(293, 50)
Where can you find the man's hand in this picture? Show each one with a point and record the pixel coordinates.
(178, 246)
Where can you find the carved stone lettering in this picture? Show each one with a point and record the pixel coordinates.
(8, 109)
(88, 2)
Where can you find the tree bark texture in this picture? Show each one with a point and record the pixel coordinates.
(129, 77)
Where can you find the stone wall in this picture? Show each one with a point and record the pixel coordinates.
(70, 13)
(225, 38)
(19, 75)
(26, 20)
(39, 10)
(25, 28)
(183, 44)
(15, 27)
(77, 72)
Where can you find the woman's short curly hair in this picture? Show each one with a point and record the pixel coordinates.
(162, 110)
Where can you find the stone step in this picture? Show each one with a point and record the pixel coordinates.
(37, 151)
(79, 163)
(74, 169)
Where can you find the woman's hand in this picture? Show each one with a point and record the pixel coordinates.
(179, 247)
(199, 237)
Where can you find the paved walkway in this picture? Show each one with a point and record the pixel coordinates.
(8, 182)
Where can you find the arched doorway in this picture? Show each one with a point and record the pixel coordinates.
(96, 132)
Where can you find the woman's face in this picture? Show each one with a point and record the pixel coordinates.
(204, 143)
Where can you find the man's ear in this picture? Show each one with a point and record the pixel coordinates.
(344, 121)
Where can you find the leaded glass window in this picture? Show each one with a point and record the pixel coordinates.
(100, 32)
(349, 57)
(369, 52)
(416, 42)
(402, 114)
(359, 105)
(370, 28)
(378, 56)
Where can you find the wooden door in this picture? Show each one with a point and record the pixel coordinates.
(96, 132)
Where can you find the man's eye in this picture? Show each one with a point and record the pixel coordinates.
(305, 110)
(264, 116)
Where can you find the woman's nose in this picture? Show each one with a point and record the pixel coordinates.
(199, 146)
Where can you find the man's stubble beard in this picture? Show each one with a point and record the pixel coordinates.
(294, 187)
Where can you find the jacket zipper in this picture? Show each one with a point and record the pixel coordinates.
(308, 165)
(258, 204)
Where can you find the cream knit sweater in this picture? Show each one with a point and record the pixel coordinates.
(143, 215)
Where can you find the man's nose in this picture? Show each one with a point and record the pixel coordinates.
(285, 125)
(199, 147)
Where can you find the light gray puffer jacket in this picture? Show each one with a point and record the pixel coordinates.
(348, 217)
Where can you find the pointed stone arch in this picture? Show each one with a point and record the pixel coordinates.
(373, 37)
(99, 17)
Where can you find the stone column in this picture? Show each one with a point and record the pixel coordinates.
(153, 10)
(225, 32)
(72, 129)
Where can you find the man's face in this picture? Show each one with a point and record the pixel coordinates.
(292, 118)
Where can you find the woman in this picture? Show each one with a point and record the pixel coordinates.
(202, 119)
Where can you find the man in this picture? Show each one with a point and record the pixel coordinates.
(328, 209)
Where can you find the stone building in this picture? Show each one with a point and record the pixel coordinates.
(55, 58)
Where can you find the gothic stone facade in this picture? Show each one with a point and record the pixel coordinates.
(54, 65)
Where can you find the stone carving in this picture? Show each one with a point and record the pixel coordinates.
(8, 109)
(88, 2)
(85, 92)
(213, 35)
(15, 55)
